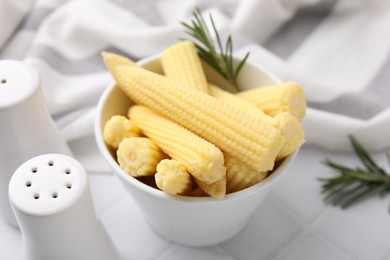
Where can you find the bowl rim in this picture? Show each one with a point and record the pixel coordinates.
(119, 172)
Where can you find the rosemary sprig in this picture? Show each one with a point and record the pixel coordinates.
(355, 184)
(220, 59)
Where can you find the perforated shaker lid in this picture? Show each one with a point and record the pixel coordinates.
(47, 184)
(18, 81)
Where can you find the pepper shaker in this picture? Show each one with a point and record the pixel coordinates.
(27, 129)
(52, 201)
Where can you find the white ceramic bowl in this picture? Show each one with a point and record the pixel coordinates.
(189, 221)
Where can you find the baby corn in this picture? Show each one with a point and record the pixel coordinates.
(139, 156)
(118, 128)
(289, 125)
(172, 177)
(234, 132)
(181, 63)
(201, 158)
(292, 131)
(216, 189)
(285, 97)
(112, 60)
(240, 175)
(239, 103)
(252, 180)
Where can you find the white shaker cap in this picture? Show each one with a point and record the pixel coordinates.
(51, 198)
(17, 82)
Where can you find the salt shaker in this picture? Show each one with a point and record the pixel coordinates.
(52, 201)
(27, 129)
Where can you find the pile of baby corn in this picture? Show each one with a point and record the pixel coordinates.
(194, 137)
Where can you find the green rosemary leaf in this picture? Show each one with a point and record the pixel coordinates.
(345, 195)
(365, 157)
(334, 191)
(222, 59)
(229, 65)
(216, 34)
(210, 60)
(365, 193)
(241, 64)
(353, 185)
(201, 27)
(366, 176)
(336, 166)
(333, 183)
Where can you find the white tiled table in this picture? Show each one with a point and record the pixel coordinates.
(293, 222)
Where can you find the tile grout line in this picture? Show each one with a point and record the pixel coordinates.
(225, 251)
(166, 252)
(330, 244)
(307, 228)
(118, 203)
(110, 208)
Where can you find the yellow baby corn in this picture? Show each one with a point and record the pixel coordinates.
(181, 63)
(239, 103)
(216, 189)
(292, 131)
(173, 178)
(202, 159)
(285, 97)
(234, 132)
(289, 125)
(118, 128)
(236, 171)
(240, 175)
(139, 156)
(252, 180)
(112, 60)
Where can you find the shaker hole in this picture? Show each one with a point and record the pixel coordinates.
(28, 184)
(34, 170)
(54, 195)
(36, 196)
(50, 163)
(67, 171)
(3, 81)
(69, 186)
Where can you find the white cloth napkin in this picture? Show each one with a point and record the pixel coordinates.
(338, 50)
